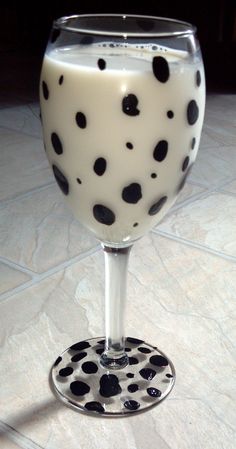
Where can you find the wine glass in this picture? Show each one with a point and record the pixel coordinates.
(122, 105)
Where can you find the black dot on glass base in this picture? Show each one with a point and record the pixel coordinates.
(169, 376)
(61, 79)
(100, 351)
(89, 367)
(170, 114)
(64, 372)
(133, 361)
(79, 388)
(78, 357)
(144, 350)
(132, 388)
(156, 207)
(109, 385)
(129, 145)
(61, 180)
(134, 341)
(130, 375)
(81, 120)
(153, 392)
(56, 143)
(147, 373)
(101, 64)
(94, 406)
(132, 405)
(158, 360)
(80, 346)
(58, 360)
(103, 214)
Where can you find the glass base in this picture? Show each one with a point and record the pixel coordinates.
(82, 382)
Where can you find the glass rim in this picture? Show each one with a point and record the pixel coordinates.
(62, 24)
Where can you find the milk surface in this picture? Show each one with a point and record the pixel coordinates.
(121, 130)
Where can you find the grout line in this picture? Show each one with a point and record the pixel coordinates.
(17, 266)
(194, 245)
(17, 437)
(40, 277)
(23, 195)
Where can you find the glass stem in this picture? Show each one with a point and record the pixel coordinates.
(116, 270)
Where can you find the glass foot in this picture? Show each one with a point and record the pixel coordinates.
(81, 382)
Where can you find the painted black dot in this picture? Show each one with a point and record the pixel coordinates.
(135, 224)
(156, 207)
(185, 163)
(133, 361)
(198, 78)
(58, 360)
(134, 341)
(160, 151)
(130, 375)
(79, 388)
(101, 342)
(132, 193)
(129, 145)
(55, 34)
(193, 142)
(56, 143)
(158, 360)
(79, 180)
(192, 112)
(45, 90)
(78, 357)
(144, 350)
(127, 349)
(81, 120)
(147, 373)
(94, 406)
(100, 166)
(89, 367)
(129, 105)
(132, 388)
(101, 64)
(160, 69)
(100, 351)
(64, 372)
(154, 392)
(170, 114)
(153, 175)
(112, 45)
(61, 180)
(86, 40)
(132, 405)
(61, 79)
(103, 214)
(169, 376)
(182, 182)
(80, 346)
(109, 385)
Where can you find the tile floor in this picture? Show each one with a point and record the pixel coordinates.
(182, 292)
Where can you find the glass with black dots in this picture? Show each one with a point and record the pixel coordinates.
(122, 106)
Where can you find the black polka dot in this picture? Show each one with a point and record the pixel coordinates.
(61, 79)
(129, 145)
(94, 406)
(103, 214)
(170, 114)
(154, 392)
(45, 90)
(130, 375)
(158, 360)
(55, 34)
(169, 376)
(80, 346)
(64, 372)
(135, 225)
(101, 64)
(56, 143)
(129, 105)
(198, 78)
(192, 112)
(144, 350)
(109, 385)
(160, 151)
(79, 388)
(182, 182)
(185, 163)
(156, 207)
(81, 120)
(133, 361)
(89, 367)
(132, 405)
(160, 69)
(100, 166)
(101, 342)
(79, 180)
(58, 360)
(61, 180)
(153, 175)
(78, 357)
(193, 142)
(134, 341)
(132, 388)
(100, 351)
(132, 193)
(147, 373)
(127, 349)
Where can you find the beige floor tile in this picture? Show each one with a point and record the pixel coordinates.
(39, 232)
(210, 222)
(23, 119)
(7, 443)
(189, 191)
(11, 278)
(230, 188)
(178, 299)
(23, 164)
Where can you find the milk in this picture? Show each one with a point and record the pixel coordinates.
(122, 139)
